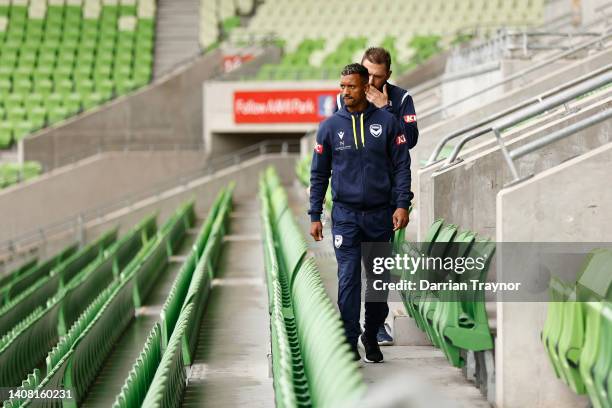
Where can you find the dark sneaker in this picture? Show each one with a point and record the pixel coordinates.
(355, 351)
(383, 337)
(372, 351)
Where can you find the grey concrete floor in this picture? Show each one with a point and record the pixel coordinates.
(231, 361)
(423, 363)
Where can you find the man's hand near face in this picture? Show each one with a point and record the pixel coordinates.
(374, 96)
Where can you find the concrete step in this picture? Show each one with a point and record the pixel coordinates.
(177, 34)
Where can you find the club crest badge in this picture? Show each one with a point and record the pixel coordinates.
(337, 241)
(375, 129)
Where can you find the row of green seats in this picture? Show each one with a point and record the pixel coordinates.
(181, 331)
(453, 321)
(157, 377)
(309, 368)
(103, 68)
(28, 342)
(74, 363)
(278, 72)
(17, 272)
(84, 62)
(13, 173)
(577, 333)
(45, 288)
(70, 12)
(301, 56)
(16, 283)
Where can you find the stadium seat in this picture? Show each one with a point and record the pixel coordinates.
(308, 368)
(46, 45)
(575, 326)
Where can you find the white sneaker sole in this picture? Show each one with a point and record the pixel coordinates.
(385, 343)
(365, 359)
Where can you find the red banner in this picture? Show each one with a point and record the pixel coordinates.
(297, 106)
(231, 62)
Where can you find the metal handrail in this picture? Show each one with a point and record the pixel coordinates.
(518, 117)
(551, 138)
(537, 99)
(605, 36)
(212, 166)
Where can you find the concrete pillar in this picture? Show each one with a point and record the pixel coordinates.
(568, 203)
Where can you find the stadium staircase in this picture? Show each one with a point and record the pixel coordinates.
(177, 34)
(122, 319)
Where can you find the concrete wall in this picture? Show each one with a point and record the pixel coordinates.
(423, 189)
(465, 193)
(93, 182)
(568, 203)
(204, 190)
(167, 112)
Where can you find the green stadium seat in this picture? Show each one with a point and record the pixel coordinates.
(73, 102)
(93, 99)
(27, 57)
(6, 134)
(104, 57)
(57, 114)
(14, 100)
(64, 87)
(89, 29)
(53, 33)
(47, 60)
(66, 57)
(53, 100)
(84, 86)
(22, 129)
(104, 87)
(5, 88)
(88, 45)
(124, 59)
(33, 100)
(125, 86)
(43, 86)
(602, 379)
(22, 73)
(122, 72)
(8, 58)
(85, 57)
(23, 86)
(6, 73)
(574, 330)
(44, 53)
(591, 349)
(37, 115)
(31, 45)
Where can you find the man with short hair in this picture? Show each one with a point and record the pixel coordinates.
(396, 101)
(366, 154)
(386, 96)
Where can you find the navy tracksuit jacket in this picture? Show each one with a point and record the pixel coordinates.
(368, 158)
(401, 106)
